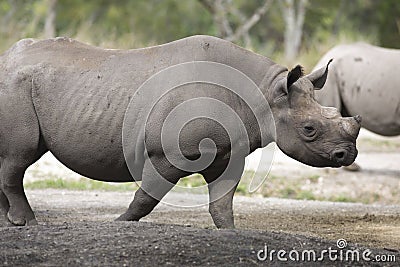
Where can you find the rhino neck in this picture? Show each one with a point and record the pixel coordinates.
(274, 74)
(260, 118)
(261, 70)
(266, 124)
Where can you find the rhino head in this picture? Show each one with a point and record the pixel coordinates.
(306, 131)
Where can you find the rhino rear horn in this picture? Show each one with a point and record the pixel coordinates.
(318, 77)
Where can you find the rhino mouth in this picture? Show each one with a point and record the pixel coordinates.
(337, 158)
(343, 157)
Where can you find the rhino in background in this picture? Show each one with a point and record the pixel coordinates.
(364, 79)
(69, 98)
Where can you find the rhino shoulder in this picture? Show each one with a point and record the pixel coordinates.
(21, 45)
(18, 47)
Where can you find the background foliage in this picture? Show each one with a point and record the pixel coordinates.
(138, 23)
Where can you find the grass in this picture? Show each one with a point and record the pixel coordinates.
(342, 198)
(314, 178)
(281, 187)
(81, 184)
(369, 144)
(303, 188)
(195, 180)
(275, 186)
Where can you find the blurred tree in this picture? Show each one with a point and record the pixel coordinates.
(9, 8)
(376, 20)
(223, 11)
(138, 23)
(294, 13)
(387, 19)
(50, 24)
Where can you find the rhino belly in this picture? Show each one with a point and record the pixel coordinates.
(83, 128)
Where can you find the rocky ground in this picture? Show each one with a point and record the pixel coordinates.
(77, 228)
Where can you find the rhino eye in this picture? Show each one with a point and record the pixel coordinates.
(309, 130)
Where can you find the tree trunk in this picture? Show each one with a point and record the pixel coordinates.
(246, 25)
(50, 24)
(339, 14)
(221, 19)
(398, 25)
(6, 20)
(294, 21)
(220, 9)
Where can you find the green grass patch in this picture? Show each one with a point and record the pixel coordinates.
(242, 189)
(341, 198)
(313, 178)
(191, 181)
(371, 144)
(81, 184)
(305, 195)
(273, 186)
(194, 184)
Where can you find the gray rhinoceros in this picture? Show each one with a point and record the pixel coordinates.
(71, 99)
(364, 79)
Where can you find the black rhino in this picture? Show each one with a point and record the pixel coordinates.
(70, 98)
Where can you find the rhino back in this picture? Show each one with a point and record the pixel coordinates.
(80, 93)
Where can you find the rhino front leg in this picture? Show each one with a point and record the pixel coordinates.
(221, 191)
(221, 210)
(155, 185)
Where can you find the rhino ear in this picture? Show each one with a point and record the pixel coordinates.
(282, 87)
(294, 75)
(318, 77)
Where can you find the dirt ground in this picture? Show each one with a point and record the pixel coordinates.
(76, 228)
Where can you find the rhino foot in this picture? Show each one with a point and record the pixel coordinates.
(223, 218)
(126, 217)
(20, 219)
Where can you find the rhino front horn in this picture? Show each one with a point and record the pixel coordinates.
(352, 125)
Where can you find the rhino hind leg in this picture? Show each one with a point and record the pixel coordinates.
(12, 196)
(141, 206)
(4, 207)
(152, 190)
(20, 212)
(24, 147)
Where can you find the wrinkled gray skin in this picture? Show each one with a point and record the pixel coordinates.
(364, 79)
(69, 98)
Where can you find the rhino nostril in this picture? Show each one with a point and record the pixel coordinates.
(339, 155)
